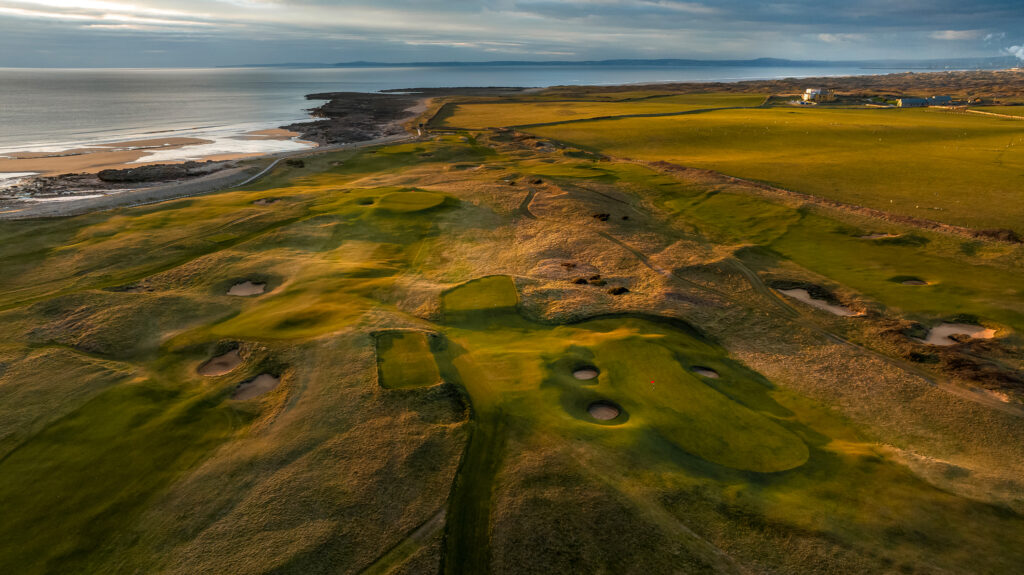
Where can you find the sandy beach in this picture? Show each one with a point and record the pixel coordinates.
(90, 160)
(134, 153)
(74, 187)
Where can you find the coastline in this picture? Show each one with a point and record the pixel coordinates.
(66, 182)
(230, 174)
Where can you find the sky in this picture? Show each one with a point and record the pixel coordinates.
(194, 33)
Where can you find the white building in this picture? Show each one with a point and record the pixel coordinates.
(818, 95)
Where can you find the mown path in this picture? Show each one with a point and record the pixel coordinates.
(468, 530)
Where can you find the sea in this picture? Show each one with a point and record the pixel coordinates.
(50, 110)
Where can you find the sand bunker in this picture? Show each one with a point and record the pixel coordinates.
(940, 334)
(256, 387)
(878, 236)
(221, 364)
(586, 373)
(604, 410)
(705, 372)
(914, 282)
(247, 289)
(267, 201)
(804, 296)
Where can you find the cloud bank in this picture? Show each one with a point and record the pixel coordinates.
(224, 32)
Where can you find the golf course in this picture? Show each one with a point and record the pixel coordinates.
(650, 330)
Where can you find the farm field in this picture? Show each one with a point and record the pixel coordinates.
(469, 353)
(502, 114)
(959, 169)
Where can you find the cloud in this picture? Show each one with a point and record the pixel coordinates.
(840, 38)
(956, 34)
(1017, 51)
(214, 32)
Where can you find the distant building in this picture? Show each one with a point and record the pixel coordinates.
(923, 102)
(818, 95)
(911, 102)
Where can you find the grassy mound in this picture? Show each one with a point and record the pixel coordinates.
(410, 201)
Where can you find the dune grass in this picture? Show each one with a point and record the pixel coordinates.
(957, 168)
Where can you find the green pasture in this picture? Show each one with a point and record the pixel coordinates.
(961, 169)
(502, 114)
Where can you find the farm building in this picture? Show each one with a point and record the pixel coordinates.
(911, 102)
(922, 102)
(818, 95)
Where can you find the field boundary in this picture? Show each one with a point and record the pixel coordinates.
(983, 113)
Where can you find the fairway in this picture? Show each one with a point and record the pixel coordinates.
(961, 169)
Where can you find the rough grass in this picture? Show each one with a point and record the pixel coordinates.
(957, 168)
(115, 456)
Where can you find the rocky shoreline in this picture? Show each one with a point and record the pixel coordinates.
(346, 118)
(352, 117)
(66, 186)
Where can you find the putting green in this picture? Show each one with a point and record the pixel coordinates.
(525, 369)
(404, 360)
(489, 293)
